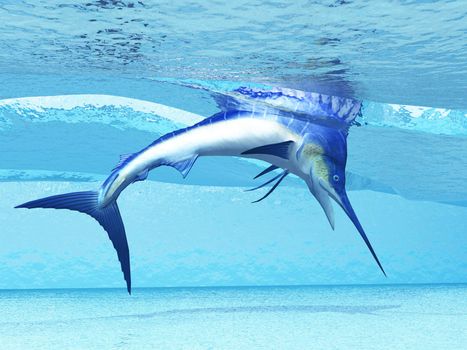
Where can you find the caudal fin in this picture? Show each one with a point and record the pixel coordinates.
(109, 218)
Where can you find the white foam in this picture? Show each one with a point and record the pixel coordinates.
(418, 111)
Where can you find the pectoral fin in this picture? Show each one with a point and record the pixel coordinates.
(323, 199)
(281, 149)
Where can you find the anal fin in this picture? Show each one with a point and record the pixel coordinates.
(184, 166)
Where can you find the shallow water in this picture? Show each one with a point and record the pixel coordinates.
(346, 317)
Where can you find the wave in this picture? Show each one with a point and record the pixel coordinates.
(429, 120)
(117, 111)
(416, 152)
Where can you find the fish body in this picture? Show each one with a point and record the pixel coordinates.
(224, 134)
(300, 133)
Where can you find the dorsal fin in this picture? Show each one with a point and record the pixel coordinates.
(339, 112)
(123, 158)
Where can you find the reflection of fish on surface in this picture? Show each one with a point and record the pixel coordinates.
(299, 132)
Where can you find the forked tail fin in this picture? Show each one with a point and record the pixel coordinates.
(109, 218)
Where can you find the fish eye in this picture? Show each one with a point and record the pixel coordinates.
(335, 177)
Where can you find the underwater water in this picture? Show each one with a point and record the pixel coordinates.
(84, 82)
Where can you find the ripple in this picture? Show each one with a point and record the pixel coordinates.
(406, 53)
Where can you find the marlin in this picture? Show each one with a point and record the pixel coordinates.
(296, 132)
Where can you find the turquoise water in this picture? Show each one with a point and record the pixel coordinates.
(341, 317)
(83, 82)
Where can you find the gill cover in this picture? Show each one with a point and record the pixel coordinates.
(310, 156)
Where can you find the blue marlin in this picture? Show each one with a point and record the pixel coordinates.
(298, 132)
